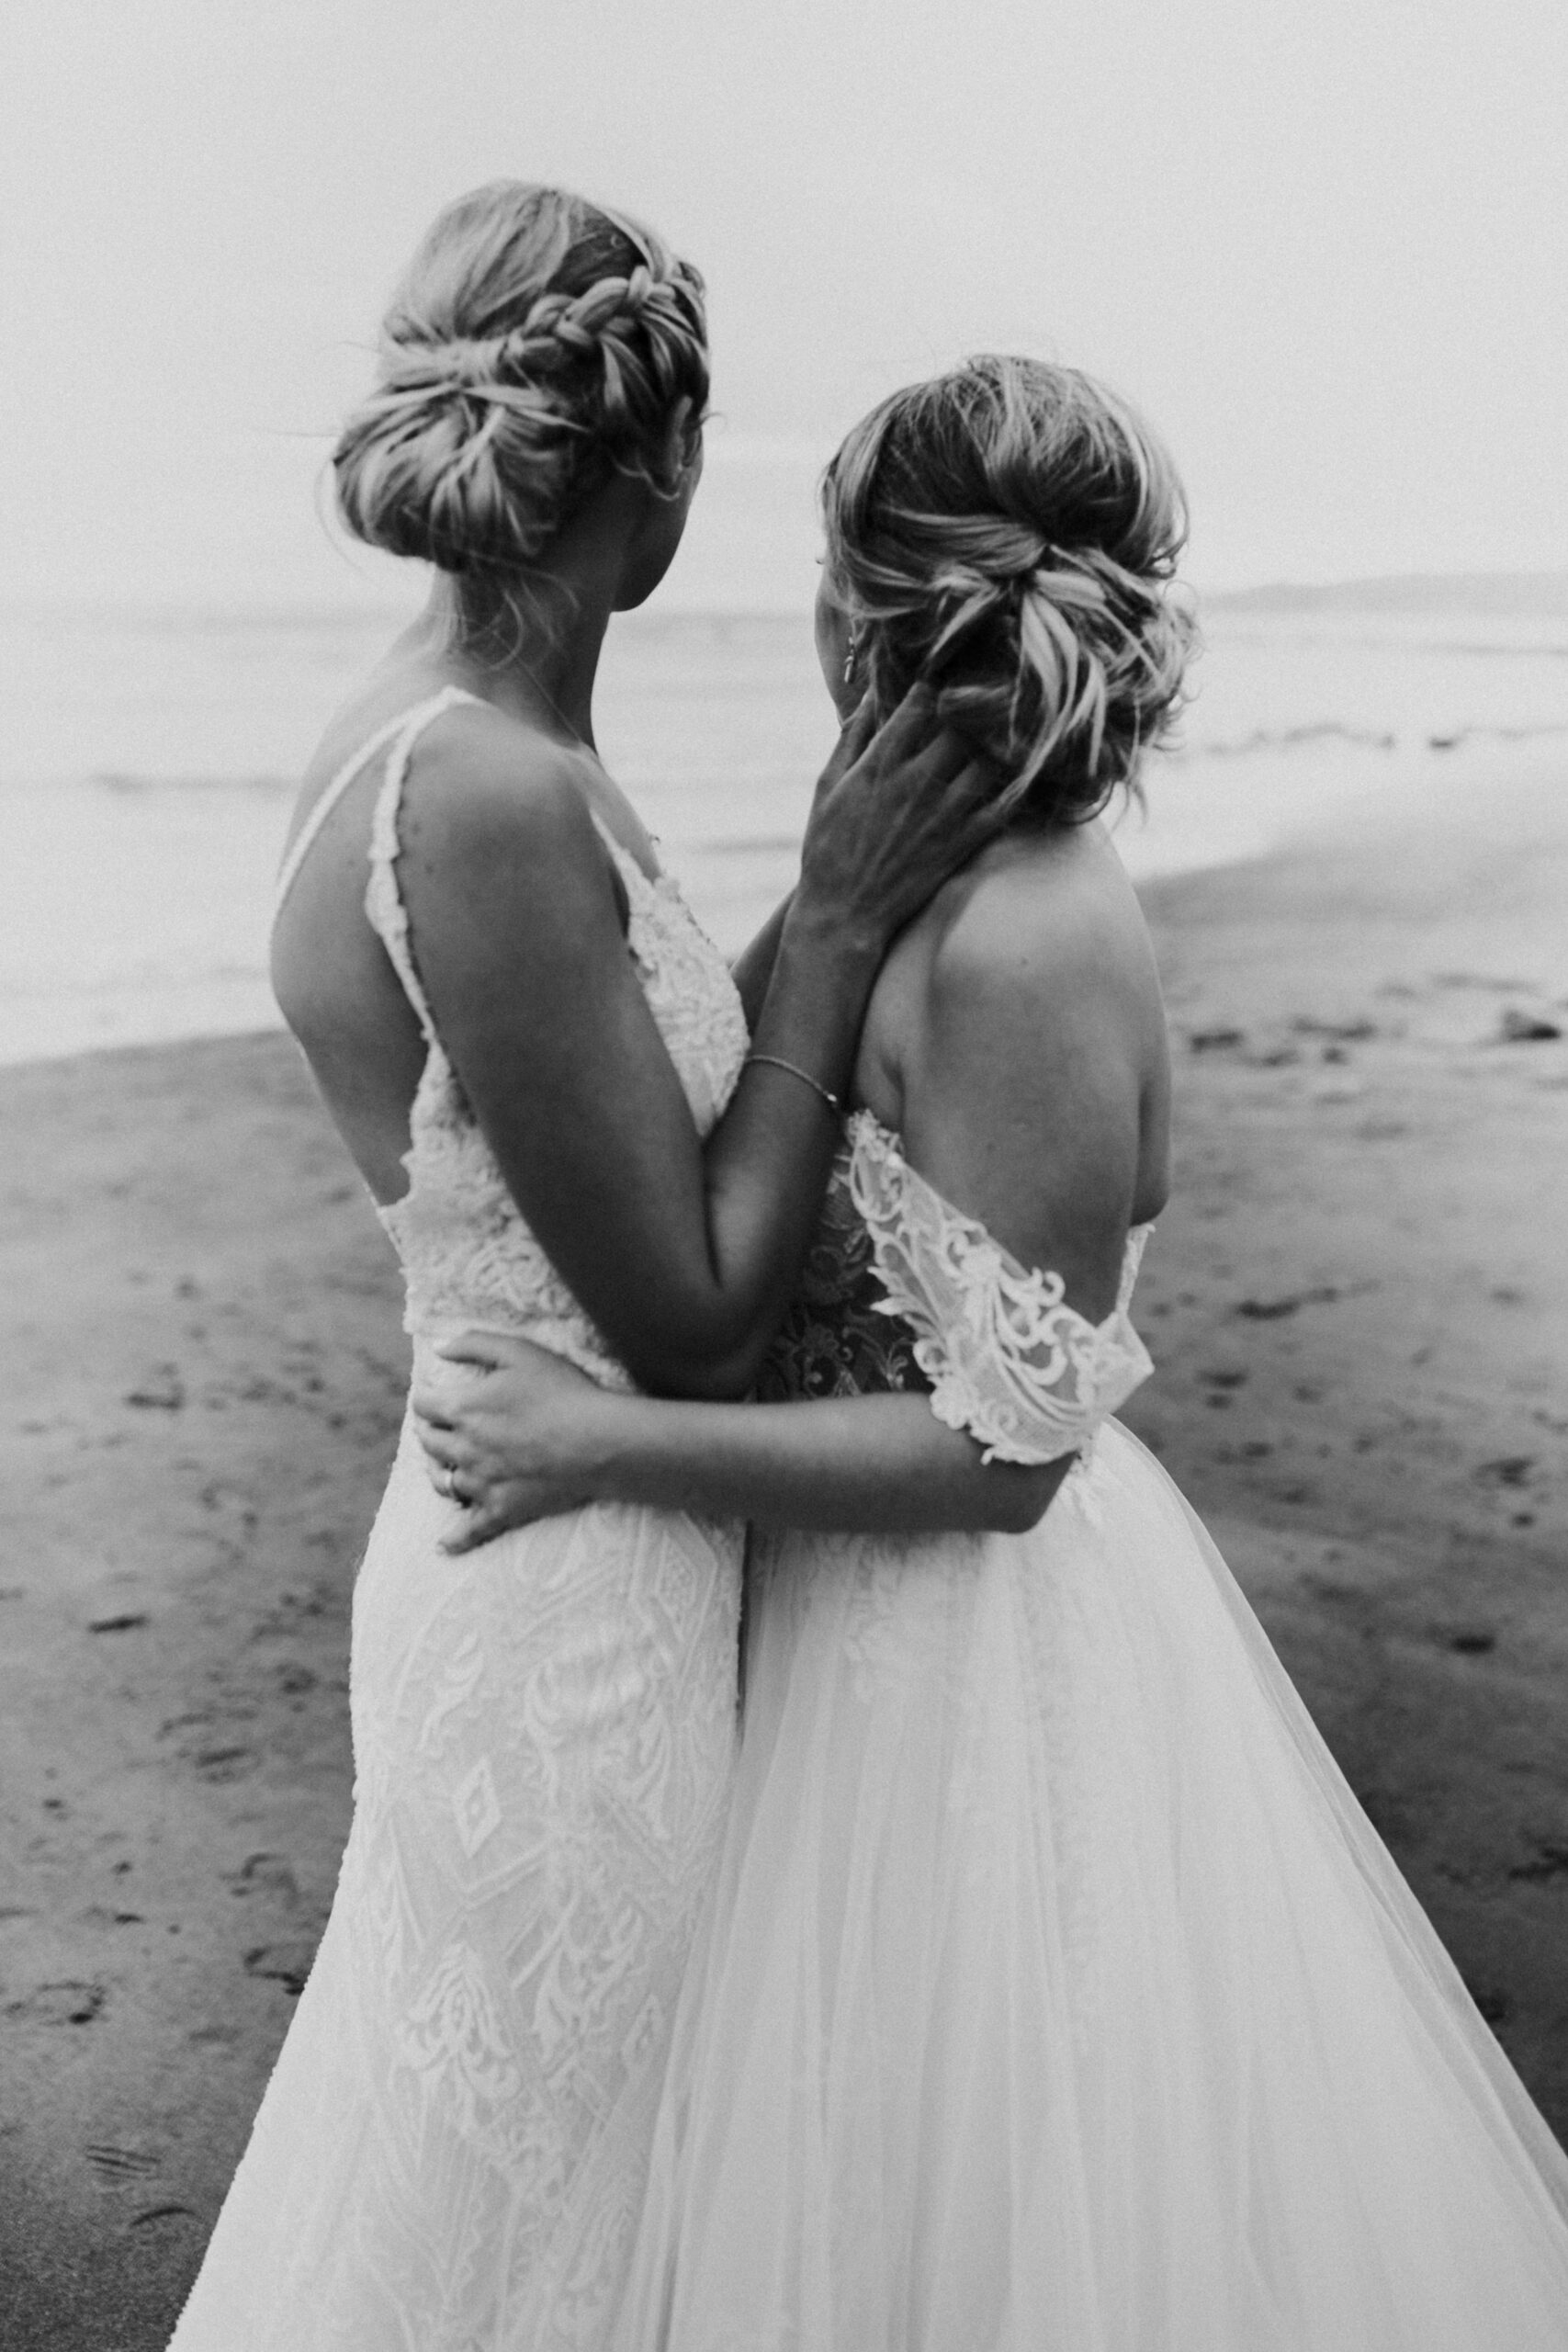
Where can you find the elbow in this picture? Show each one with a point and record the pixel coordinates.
(709, 1351)
(1020, 1494)
(724, 1382)
(699, 1377)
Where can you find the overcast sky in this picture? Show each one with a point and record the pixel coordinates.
(1321, 242)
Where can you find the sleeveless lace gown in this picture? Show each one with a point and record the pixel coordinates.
(1057, 1995)
(451, 2151)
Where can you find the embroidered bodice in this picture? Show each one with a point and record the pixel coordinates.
(903, 1291)
(838, 1337)
(468, 1257)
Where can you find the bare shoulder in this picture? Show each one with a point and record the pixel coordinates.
(1038, 944)
(1041, 924)
(481, 786)
(508, 883)
(1020, 1036)
(477, 781)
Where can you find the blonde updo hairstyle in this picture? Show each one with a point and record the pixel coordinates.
(536, 344)
(1008, 533)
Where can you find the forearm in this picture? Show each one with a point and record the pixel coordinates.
(862, 1462)
(684, 1251)
(766, 1162)
(753, 967)
(820, 972)
(851, 902)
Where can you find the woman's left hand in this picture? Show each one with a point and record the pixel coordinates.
(510, 1441)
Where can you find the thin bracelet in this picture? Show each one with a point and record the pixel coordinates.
(778, 1062)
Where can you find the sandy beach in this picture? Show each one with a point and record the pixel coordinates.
(1358, 1303)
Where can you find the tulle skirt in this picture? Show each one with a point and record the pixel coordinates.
(1057, 1996)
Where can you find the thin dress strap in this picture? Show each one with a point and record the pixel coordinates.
(301, 846)
(384, 907)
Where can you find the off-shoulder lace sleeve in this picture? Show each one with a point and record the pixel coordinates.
(1007, 1358)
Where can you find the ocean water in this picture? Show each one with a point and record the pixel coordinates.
(148, 760)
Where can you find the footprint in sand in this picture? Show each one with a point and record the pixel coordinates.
(1495, 2003)
(119, 2164)
(263, 1874)
(1548, 1861)
(65, 2002)
(216, 1759)
(1521, 1028)
(1337, 1033)
(1507, 1470)
(287, 1963)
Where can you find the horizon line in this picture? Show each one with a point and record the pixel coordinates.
(1530, 582)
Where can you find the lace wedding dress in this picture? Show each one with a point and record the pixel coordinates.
(1057, 1995)
(451, 2154)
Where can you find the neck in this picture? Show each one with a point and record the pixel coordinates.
(532, 646)
(531, 649)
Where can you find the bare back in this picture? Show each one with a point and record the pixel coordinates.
(331, 972)
(1016, 1042)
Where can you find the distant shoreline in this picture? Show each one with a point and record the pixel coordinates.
(1422, 810)
(1509, 593)
(1415, 592)
(147, 760)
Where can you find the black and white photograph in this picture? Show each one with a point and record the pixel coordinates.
(783, 1154)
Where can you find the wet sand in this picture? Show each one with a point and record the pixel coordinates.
(1358, 1303)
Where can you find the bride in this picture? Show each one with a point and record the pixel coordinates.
(1056, 1996)
(544, 1072)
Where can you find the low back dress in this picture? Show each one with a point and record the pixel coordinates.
(451, 2151)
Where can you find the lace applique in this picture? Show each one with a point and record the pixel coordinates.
(837, 1338)
(453, 2152)
(468, 1257)
(1006, 1358)
(452, 2036)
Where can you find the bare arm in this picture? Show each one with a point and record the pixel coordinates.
(682, 1253)
(863, 1462)
(1022, 1062)
(535, 1438)
(753, 967)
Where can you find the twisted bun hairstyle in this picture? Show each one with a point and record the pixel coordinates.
(1008, 533)
(536, 344)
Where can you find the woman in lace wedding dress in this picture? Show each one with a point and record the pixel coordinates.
(541, 1067)
(1056, 1995)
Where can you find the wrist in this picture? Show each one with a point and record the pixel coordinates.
(623, 1445)
(829, 926)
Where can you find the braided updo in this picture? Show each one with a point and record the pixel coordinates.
(535, 345)
(1008, 534)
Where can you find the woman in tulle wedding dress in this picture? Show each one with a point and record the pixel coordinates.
(1056, 1994)
(543, 1070)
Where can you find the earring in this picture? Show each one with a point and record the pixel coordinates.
(850, 659)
